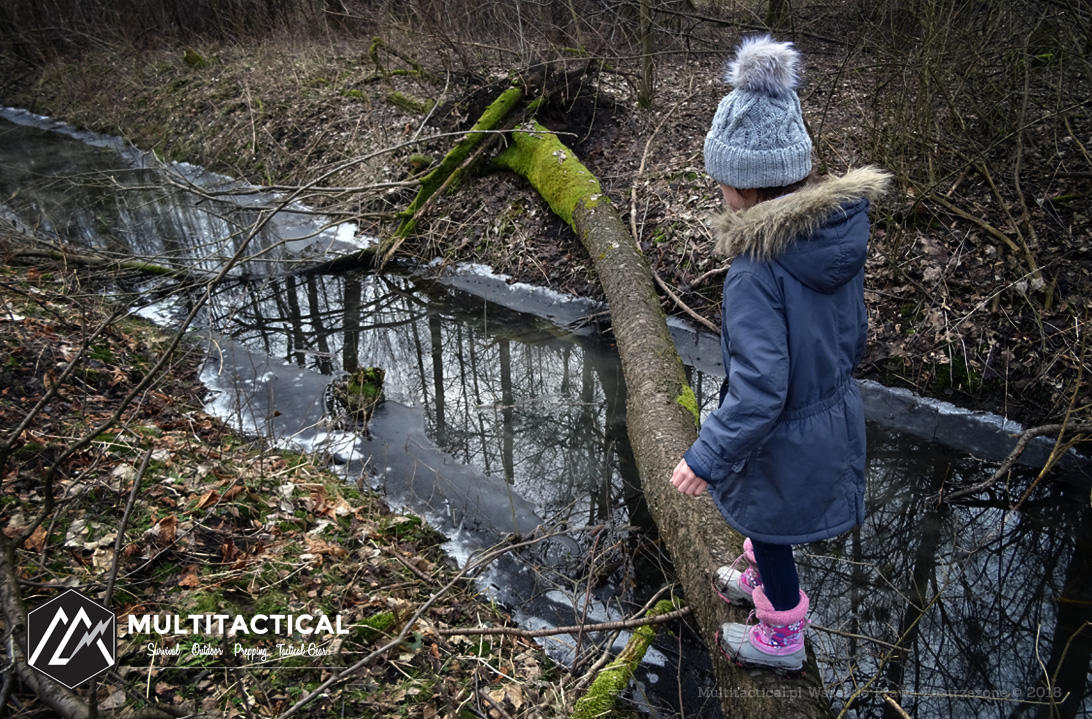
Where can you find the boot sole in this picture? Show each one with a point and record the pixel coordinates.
(779, 671)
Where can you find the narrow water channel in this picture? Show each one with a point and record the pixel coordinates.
(505, 412)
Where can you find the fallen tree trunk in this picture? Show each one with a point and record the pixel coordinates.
(104, 263)
(661, 416)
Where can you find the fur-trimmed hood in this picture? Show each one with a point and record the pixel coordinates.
(808, 231)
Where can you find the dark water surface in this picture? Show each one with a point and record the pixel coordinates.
(501, 419)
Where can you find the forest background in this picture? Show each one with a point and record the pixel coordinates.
(979, 271)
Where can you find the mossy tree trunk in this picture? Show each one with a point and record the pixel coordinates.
(661, 417)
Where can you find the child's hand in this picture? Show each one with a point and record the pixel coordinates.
(686, 481)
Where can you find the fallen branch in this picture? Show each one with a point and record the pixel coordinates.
(439, 178)
(96, 262)
(978, 221)
(647, 620)
(601, 696)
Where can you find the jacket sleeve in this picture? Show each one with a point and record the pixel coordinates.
(758, 375)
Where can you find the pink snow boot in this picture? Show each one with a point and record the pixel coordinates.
(776, 642)
(735, 586)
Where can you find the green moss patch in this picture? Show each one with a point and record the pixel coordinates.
(553, 169)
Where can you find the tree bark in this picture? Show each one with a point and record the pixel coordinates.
(661, 419)
(148, 268)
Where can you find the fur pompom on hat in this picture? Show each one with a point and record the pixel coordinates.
(758, 137)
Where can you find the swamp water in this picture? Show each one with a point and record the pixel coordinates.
(501, 416)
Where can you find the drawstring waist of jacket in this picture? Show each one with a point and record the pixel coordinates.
(821, 405)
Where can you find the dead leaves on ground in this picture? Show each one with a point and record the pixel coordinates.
(222, 524)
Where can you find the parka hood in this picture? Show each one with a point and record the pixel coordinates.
(807, 231)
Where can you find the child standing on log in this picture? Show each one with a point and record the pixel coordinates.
(784, 454)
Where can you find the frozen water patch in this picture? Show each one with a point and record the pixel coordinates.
(980, 434)
(481, 281)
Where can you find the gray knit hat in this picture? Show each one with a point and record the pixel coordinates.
(758, 137)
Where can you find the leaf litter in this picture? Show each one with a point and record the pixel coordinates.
(224, 525)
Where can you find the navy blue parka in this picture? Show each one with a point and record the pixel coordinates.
(784, 453)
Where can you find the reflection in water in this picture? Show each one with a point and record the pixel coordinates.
(101, 194)
(989, 608)
(510, 395)
(974, 594)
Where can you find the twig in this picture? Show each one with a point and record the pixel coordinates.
(982, 224)
(641, 169)
(417, 572)
(1021, 444)
(108, 595)
(711, 273)
(1059, 447)
(895, 705)
(633, 221)
(851, 635)
(436, 104)
(493, 705)
(605, 656)
(1061, 659)
(684, 307)
(886, 658)
(587, 602)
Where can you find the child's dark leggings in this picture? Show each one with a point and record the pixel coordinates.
(778, 571)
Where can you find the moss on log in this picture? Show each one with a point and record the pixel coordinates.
(601, 696)
(660, 418)
(409, 103)
(195, 276)
(378, 44)
(561, 179)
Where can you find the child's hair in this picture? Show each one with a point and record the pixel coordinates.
(771, 193)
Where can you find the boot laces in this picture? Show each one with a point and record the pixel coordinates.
(748, 576)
